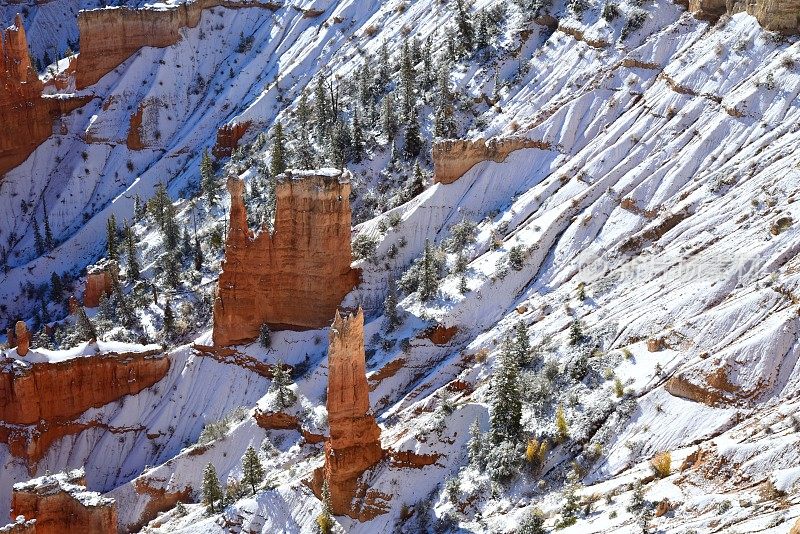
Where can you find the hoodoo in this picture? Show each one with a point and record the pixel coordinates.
(354, 444)
(60, 503)
(296, 276)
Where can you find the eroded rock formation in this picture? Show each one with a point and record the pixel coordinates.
(60, 503)
(40, 401)
(354, 443)
(23, 338)
(296, 276)
(774, 15)
(452, 158)
(99, 281)
(228, 138)
(110, 36)
(20, 526)
(25, 115)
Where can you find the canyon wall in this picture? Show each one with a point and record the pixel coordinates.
(25, 115)
(109, 36)
(296, 276)
(452, 158)
(228, 137)
(354, 444)
(39, 402)
(60, 504)
(775, 15)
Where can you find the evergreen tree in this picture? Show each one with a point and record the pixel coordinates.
(212, 491)
(340, 143)
(304, 153)
(357, 138)
(49, 242)
(207, 181)
(303, 111)
(444, 116)
(414, 141)
(186, 243)
(522, 343)
(516, 257)
(281, 380)
(416, 184)
(158, 204)
(84, 327)
(429, 279)
(111, 237)
(56, 288)
(365, 90)
(139, 209)
(407, 83)
(252, 470)
(265, 336)
(321, 108)
(325, 519)
(37, 238)
(390, 306)
(133, 269)
(198, 254)
(169, 321)
(384, 67)
(464, 23)
(506, 414)
(476, 446)
(388, 116)
(170, 228)
(278, 154)
(575, 332)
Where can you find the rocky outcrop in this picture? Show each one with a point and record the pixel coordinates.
(296, 276)
(110, 36)
(774, 15)
(40, 401)
(23, 338)
(354, 443)
(20, 526)
(452, 158)
(228, 138)
(25, 115)
(99, 281)
(60, 503)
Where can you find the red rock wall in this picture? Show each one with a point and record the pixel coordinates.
(354, 444)
(452, 158)
(110, 36)
(296, 276)
(26, 117)
(98, 283)
(64, 390)
(59, 512)
(228, 138)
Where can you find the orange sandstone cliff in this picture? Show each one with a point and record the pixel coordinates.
(40, 401)
(60, 504)
(354, 444)
(25, 115)
(452, 158)
(296, 276)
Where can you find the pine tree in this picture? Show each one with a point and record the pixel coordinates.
(416, 185)
(357, 138)
(170, 228)
(56, 288)
(212, 491)
(277, 156)
(390, 306)
(388, 116)
(111, 237)
(321, 108)
(325, 519)
(340, 143)
(304, 152)
(522, 343)
(464, 23)
(37, 238)
(384, 67)
(482, 35)
(139, 209)
(407, 82)
(207, 181)
(265, 336)
(303, 111)
(85, 328)
(516, 258)
(49, 242)
(506, 414)
(252, 470)
(476, 446)
(198, 254)
(414, 141)
(158, 204)
(575, 332)
(444, 116)
(429, 279)
(133, 269)
(281, 380)
(169, 321)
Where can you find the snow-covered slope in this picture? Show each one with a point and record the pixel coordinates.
(668, 191)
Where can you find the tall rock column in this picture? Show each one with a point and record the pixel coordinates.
(296, 276)
(354, 444)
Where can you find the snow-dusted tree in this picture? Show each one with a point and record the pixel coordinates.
(281, 380)
(414, 140)
(132, 265)
(207, 181)
(532, 524)
(502, 461)
(278, 154)
(212, 491)
(429, 277)
(407, 84)
(575, 332)
(56, 288)
(562, 429)
(384, 68)
(340, 144)
(322, 109)
(252, 470)
(111, 237)
(356, 138)
(38, 241)
(325, 518)
(85, 330)
(476, 447)
(198, 254)
(506, 414)
(465, 31)
(388, 116)
(390, 306)
(49, 242)
(303, 111)
(522, 343)
(264, 336)
(415, 184)
(304, 155)
(169, 321)
(159, 203)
